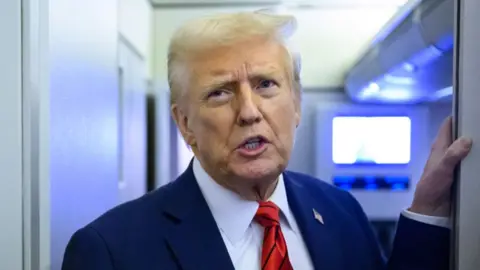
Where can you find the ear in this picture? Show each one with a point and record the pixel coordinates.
(298, 117)
(298, 111)
(181, 119)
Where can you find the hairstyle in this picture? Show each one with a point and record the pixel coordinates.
(225, 30)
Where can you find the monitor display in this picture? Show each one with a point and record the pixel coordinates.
(371, 140)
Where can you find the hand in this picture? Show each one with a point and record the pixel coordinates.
(432, 195)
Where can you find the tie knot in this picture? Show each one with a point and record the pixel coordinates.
(268, 214)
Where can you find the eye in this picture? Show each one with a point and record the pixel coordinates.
(266, 84)
(218, 94)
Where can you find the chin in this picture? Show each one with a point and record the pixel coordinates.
(257, 169)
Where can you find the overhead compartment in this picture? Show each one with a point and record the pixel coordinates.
(413, 63)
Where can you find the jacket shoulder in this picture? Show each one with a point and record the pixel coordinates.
(125, 235)
(318, 186)
(138, 213)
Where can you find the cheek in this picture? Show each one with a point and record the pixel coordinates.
(284, 116)
(282, 119)
(211, 131)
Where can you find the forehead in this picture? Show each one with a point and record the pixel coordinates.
(251, 57)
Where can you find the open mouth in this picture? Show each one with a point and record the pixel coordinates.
(253, 143)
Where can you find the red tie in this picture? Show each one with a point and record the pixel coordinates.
(274, 251)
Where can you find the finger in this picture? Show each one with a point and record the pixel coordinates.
(455, 153)
(444, 136)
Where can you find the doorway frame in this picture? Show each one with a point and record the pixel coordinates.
(465, 233)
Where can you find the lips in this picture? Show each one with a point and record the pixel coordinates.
(253, 142)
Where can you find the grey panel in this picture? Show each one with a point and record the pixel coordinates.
(83, 116)
(133, 128)
(401, 47)
(467, 112)
(35, 95)
(165, 150)
(10, 135)
(416, 47)
(435, 29)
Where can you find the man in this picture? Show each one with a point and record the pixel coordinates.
(236, 100)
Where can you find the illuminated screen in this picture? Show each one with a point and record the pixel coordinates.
(371, 140)
(372, 182)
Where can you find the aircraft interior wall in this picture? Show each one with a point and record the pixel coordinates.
(98, 92)
(83, 117)
(306, 159)
(111, 135)
(11, 136)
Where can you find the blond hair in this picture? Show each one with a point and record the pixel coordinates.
(226, 30)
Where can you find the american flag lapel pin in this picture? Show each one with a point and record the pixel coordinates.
(317, 216)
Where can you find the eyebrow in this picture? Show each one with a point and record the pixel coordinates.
(224, 77)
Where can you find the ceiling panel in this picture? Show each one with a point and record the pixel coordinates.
(329, 40)
(318, 3)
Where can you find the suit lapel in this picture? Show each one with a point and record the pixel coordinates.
(194, 236)
(321, 239)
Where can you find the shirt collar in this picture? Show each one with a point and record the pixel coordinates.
(232, 213)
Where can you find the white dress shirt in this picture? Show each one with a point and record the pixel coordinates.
(243, 237)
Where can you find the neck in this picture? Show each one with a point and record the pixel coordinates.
(260, 189)
(260, 192)
(248, 189)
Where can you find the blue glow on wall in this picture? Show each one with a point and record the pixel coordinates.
(426, 56)
(446, 42)
(372, 182)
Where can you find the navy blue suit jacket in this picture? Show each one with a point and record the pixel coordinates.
(173, 228)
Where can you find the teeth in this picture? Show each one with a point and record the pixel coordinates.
(252, 145)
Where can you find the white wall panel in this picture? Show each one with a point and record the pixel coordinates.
(135, 25)
(133, 126)
(163, 139)
(10, 135)
(83, 116)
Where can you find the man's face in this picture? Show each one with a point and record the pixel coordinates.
(240, 111)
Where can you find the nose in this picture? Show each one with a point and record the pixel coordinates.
(248, 111)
